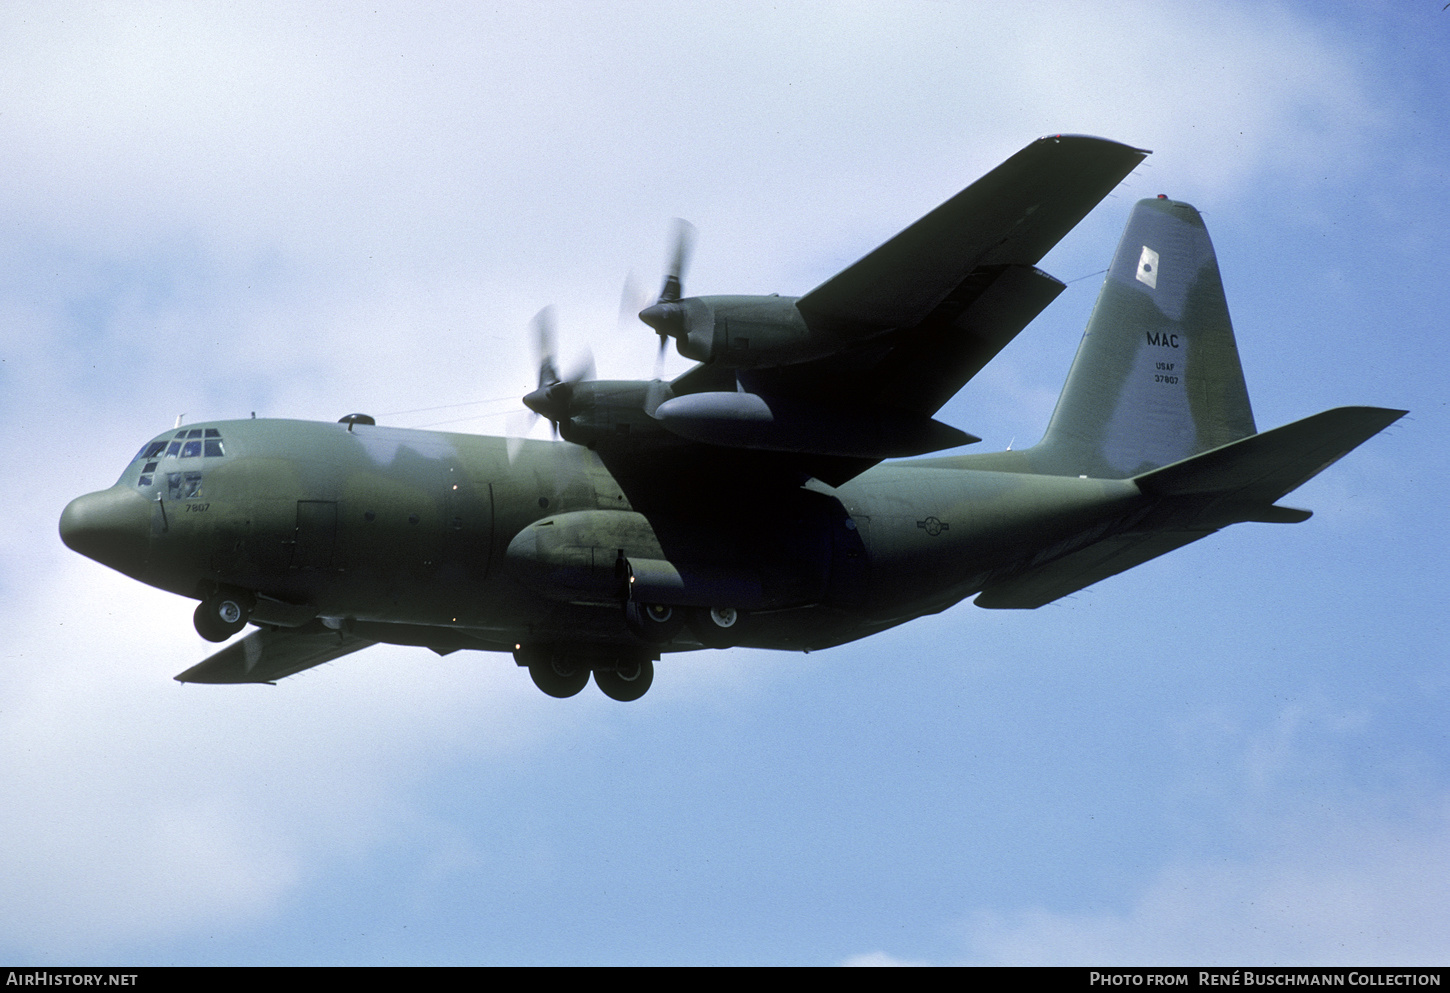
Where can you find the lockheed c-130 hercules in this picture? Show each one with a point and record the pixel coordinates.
(748, 501)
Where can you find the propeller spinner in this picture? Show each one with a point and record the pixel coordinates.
(666, 315)
(552, 399)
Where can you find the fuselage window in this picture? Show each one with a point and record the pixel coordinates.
(183, 485)
(173, 450)
(191, 450)
(214, 448)
(150, 451)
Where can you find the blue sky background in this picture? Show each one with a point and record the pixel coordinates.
(1234, 754)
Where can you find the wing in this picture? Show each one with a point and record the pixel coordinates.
(1010, 217)
(938, 301)
(269, 654)
(926, 311)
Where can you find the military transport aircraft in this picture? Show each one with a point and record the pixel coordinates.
(745, 503)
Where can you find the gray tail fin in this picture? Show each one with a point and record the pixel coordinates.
(1157, 376)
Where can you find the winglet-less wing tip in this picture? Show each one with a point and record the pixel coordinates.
(1095, 138)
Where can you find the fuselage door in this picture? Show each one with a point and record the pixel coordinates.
(850, 561)
(316, 536)
(468, 525)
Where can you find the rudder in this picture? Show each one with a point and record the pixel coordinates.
(1157, 377)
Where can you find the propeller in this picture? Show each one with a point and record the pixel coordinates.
(666, 315)
(554, 394)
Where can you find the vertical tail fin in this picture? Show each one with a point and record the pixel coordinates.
(1157, 376)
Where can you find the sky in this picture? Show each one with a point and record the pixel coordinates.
(1234, 754)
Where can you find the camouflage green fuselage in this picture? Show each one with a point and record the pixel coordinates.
(439, 539)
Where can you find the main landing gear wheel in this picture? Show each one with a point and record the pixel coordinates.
(627, 680)
(715, 627)
(221, 615)
(557, 675)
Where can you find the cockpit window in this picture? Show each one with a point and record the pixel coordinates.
(188, 443)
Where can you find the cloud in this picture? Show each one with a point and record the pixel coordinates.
(1350, 895)
(1283, 859)
(879, 960)
(307, 210)
(136, 809)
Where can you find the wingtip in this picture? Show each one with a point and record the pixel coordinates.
(1096, 139)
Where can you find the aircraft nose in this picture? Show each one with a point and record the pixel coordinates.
(111, 526)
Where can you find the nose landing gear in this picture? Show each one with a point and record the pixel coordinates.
(222, 615)
(655, 623)
(715, 627)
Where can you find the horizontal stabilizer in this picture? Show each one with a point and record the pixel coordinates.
(1260, 469)
(1247, 475)
(1083, 568)
(268, 655)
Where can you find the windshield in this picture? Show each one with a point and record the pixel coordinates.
(186, 443)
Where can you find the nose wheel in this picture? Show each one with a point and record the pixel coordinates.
(222, 615)
(716, 627)
(656, 623)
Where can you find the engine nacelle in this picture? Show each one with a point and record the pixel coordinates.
(748, 420)
(611, 556)
(608, 410)
(741, 332)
